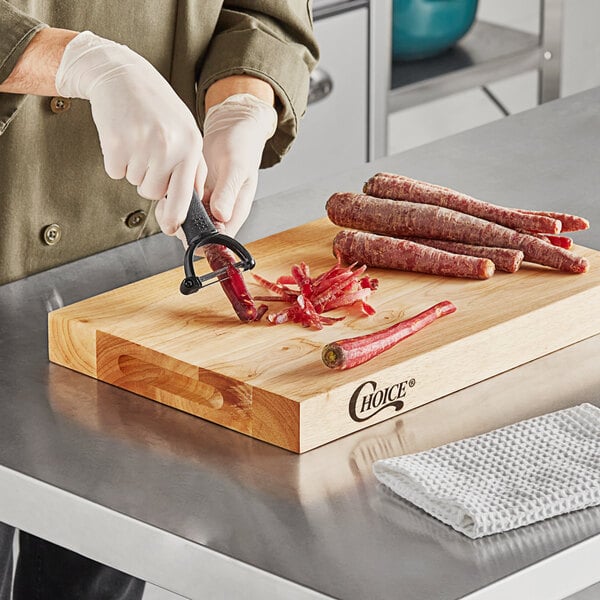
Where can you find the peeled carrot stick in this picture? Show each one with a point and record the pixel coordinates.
(405, 219)
(398, 187)
(351, 352)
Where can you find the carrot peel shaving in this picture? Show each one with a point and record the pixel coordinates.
(339, 287)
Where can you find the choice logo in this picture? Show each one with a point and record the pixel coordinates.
(367, 400)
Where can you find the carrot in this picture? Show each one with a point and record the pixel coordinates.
(232, 281)
(569, 223)
(398, 187)
(393, 253)
(351, 352)
(406, 219)
(505, 259)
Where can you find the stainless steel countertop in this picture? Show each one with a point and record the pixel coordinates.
(210, 513)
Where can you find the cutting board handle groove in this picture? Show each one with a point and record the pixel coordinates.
(147, 375)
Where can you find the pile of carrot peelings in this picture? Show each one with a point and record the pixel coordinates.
(310, 297)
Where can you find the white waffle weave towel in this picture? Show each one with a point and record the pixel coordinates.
(507, 478)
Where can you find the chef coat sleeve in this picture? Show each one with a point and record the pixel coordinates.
(273, 41)
(16, 31)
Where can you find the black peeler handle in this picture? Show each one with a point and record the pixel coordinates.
(197, 224)
(199, 231)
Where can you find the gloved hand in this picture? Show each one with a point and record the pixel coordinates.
(235, 132)
(147, 133)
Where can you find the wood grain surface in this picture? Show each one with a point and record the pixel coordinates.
(191, 352)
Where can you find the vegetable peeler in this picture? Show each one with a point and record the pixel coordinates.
(199, 231)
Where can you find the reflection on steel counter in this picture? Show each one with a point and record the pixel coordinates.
(332, 469)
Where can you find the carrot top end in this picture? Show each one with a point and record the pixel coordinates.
(333, 356)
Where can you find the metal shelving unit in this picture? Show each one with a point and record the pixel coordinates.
(486, 54)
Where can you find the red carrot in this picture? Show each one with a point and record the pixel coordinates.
(392, 253)
(351, 352)
(398, 187)
(407, 219)
(569, 222)
(505, 259)
(232, 281)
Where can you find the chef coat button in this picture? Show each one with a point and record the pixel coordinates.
(59, 105)
(135, 219)
(51, 234)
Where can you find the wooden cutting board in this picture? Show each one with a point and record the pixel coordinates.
(191, 352)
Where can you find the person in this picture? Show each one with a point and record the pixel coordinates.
(110, 114)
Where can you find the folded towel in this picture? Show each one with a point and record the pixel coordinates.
(507, 478)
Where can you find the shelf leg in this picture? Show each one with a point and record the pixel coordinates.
(551, 27)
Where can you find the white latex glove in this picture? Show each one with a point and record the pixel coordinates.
(147, 133)
(235, 132)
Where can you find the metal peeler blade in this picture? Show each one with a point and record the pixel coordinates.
(199, 231)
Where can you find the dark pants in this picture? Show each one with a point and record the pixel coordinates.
(48, 572)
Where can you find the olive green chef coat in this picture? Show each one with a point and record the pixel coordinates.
(56, 202)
